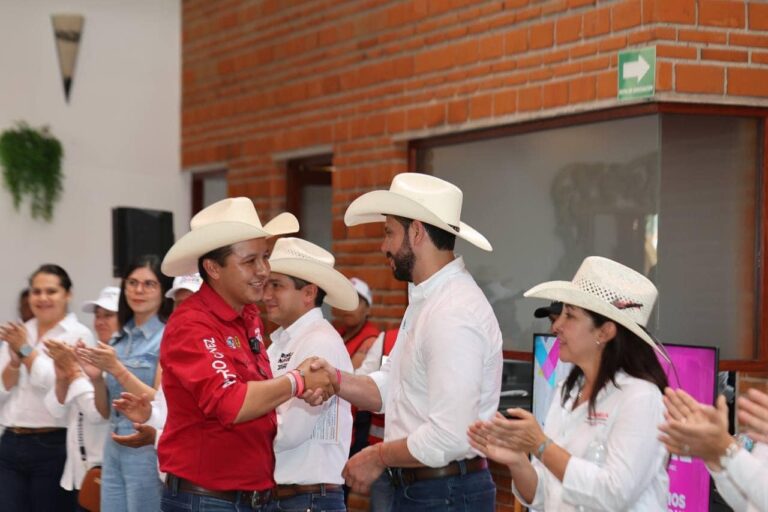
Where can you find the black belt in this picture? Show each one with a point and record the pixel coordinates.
(289, 491)
(407, 476)
(252, 498)
(26, 431)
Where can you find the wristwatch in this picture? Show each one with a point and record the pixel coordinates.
(24, 351)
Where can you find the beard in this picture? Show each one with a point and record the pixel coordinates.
(403, 261)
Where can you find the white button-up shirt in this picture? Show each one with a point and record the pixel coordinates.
(312, 443)
(742, 482)
(633, 476)
(86, 430)
(23, 405)
(445, 369)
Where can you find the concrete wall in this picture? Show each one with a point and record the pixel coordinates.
(120, 132)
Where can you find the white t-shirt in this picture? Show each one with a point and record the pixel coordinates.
(312, 443)
(634, 475)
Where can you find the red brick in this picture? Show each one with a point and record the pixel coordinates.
(516, 41)
(670, 11)
(554, 94)
(693, 78)
(583, 50)
(541, 36)
(597, 22)
(612, 44)
(480, 106)
(491, 47)
(434, 115)
(414, 118)
(701, 36)
(529, 99)
(465, 52)
(642, 36)
(722, 13)
(758, 16)
(568, 29)
(748, 82)
(748, 40)
(596, 64)
(607, 85)
(725, 55)
(504, 102)
(433, 60)
(396, 121)
(572, 4)
(664, 76)
(554, 7)
(675, 52)
(626, 15)
(581, 89)
(760, 57)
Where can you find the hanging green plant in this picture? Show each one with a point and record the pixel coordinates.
(31, 161)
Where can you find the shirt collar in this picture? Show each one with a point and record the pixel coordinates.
(417, 293)
(148, 330)
(296, 328)
(216, 303)
(66, 324)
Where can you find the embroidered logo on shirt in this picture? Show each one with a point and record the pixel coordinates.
(282, 362)
(598, 418)
(233, 342)
(219, 364)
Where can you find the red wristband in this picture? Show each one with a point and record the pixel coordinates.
(299, 382)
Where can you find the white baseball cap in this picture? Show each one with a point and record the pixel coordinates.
(109, 298)
(362, 289)
(191, 282)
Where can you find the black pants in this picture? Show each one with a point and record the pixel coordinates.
(30, 471)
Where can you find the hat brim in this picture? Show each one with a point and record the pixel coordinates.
(90, 306)
(568, 293)
(171, 294)
(181, 259)
(340, 293)
(374, 206)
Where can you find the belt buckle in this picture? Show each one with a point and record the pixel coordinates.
(259, 498)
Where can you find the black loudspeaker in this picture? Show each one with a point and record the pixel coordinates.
(136, 232)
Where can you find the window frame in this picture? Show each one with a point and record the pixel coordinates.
(623, 112)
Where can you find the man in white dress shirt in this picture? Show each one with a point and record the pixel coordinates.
(445, 369)
(312, 443)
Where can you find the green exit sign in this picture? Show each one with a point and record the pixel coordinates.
(637, 73)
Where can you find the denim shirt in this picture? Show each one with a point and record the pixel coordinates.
(138, 348)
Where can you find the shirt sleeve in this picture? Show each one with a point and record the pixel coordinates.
(81, 395)
(538, 498)
(634, 456)
(381, 378)
(199, 359)
(453, 351)
(296, 420)
(159, 411)
(743, 480)
(5, 358)
(42, 375)
(372, 360)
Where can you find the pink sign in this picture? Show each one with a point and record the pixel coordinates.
(695, 371)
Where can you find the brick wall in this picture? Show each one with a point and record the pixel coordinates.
(363, 77)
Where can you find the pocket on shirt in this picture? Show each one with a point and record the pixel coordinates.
(142, 367)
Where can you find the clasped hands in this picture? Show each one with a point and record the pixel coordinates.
(507, 440)
(320, 380)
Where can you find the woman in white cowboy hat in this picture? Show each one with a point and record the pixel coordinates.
(599, 448)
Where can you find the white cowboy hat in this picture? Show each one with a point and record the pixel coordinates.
(362, 289)
(223, 223)
(298, 258)
(609, 289)
(417, 196)
(191, 282)
(109, 299)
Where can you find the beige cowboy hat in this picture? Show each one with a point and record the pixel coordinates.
(609, 289)
(223, 223)
(417, 196)
(298, 258)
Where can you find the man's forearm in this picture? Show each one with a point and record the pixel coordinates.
(396, 454)
(262, 397)
(361, 391)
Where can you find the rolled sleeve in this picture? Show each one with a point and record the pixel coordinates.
(748, 474)
(634, 456)
(453, 352)
(159, 411)
(42, 375)
(538, 497)
(381, 379)
(203, 365)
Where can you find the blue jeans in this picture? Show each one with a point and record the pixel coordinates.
(129, 479)
(177, 501)
(331, 501)
(382, 494)
(30, 471)
(471, 492)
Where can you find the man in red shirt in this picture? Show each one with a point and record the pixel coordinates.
(217, 442)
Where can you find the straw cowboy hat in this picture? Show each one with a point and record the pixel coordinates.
(298, 258)
(223, 223)
(417, 196)
(610, 289)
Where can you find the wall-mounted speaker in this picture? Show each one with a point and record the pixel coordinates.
(138, 231)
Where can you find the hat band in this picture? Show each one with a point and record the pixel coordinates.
(623, 303)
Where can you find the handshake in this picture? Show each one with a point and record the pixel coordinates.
(321, 380)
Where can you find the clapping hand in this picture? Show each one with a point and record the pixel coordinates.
(93, 372)
(144, 436)
(136, 409)
(102, 356)
(753, 414)
(15, 333)
(482, 438)
(64, 359)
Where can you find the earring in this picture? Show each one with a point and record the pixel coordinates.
(597, 342)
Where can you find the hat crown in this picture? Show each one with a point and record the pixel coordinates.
(443, 199)
(618, 285)
(233, 209)
(362, 289)
(296, 248)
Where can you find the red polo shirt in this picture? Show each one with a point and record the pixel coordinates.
(207, 364)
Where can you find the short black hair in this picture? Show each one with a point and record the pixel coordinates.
(442, 239)
(55, 270)
(218, 255)
(301, 283)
